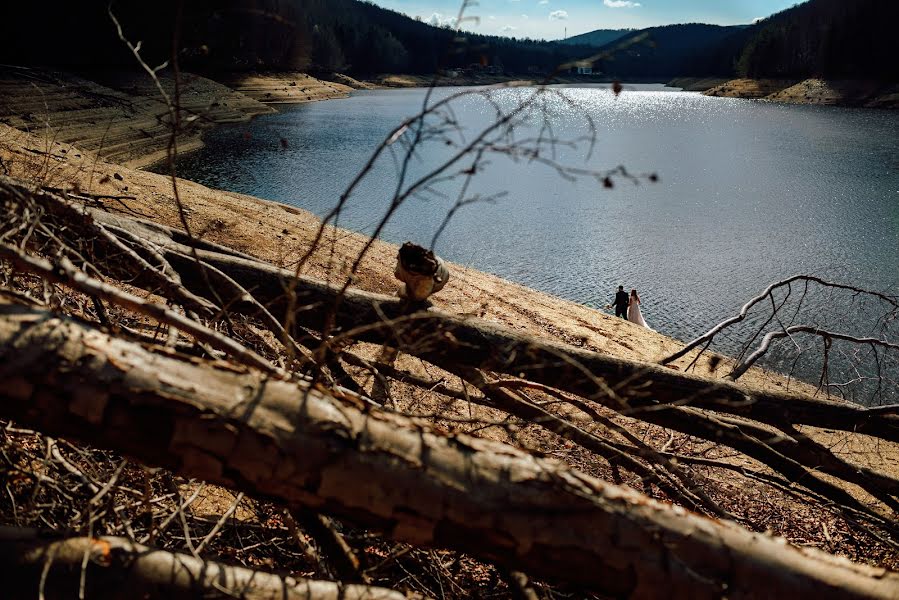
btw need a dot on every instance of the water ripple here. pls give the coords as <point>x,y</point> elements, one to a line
<point>749,192</point>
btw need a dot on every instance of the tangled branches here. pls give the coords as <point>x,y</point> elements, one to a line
<point>856,358</point>
<point>656,429</point>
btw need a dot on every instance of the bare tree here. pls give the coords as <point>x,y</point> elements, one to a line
<point>307,448</point>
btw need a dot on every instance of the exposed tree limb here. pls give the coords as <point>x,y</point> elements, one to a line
<point>520,586</point>
<point>750,360</point>
<point>276,440</point>
<point>767,293</point>
<point>514,404</point>
<point>112,249</point>
<point>34,566</point>
<point>477,344</point>
<point>65,273</point>
<point>338,554</point>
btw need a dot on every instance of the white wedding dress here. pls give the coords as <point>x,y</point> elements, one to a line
<point>635,316</point>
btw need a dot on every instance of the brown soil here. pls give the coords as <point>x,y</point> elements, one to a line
<point>412,81</point>
<point>285,88</point>
<point>842,93</point>
<point>754,89</point>
<point>124,118</point>
<point>350,82</point>
<point>696,84</point>
<point>870,94</point>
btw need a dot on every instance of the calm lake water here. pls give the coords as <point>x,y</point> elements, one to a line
<point>748,193</point>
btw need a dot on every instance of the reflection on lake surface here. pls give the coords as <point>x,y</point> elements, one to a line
<point>749,192</point>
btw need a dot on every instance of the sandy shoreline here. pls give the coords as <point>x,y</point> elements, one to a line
<point>96,134</point>
<point>123,118</point>
<point>864,94</point>
<point>278,233</point>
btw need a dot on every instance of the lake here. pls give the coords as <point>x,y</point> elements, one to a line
<point>748,193</point>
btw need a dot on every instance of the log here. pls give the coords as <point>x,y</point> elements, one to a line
<point>450,342</point>
<point>454,340</point>
<point>37,566</point>
<point>294,444</point>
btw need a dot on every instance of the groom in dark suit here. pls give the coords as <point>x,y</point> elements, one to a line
<point>621,300</point>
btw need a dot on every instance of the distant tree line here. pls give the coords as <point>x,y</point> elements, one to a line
<point>325,35</point>
<point>828,38</point>
<point>364,38</point>
<point>692,49</point>
<point>852,39</point>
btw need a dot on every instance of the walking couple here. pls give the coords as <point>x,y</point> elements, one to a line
<point>628,307</point>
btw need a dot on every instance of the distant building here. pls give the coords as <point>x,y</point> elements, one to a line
<point>478,68</point>
<point>584,70</point>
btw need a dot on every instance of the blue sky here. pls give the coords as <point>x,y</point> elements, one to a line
<point>549,18</point>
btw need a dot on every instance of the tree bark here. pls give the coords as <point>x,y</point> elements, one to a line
<point>454,340</point>
<point>298,446</point>
<point>34,566</point>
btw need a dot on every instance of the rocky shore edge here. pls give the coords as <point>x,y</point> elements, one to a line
<point>855,93</point>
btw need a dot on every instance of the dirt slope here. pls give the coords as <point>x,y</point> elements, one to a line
<point>280,233</point>
<point>124,119</point>
<point>870,94</point>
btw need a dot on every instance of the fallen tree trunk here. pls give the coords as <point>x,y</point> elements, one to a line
<point>35,566</point>
<point>446,339</point>
<point>648,392</point>
<point>450,339</point>
<point>296,445</point>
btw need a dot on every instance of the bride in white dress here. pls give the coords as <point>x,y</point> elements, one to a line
<point>633,310</point>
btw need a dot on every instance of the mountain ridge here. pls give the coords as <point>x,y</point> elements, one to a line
<point>596,38</point>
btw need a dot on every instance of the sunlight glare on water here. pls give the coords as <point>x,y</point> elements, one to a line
<point>749,192</point>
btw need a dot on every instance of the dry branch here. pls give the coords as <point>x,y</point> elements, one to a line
<point>447,340</point>
<point>66,274</point>
<point>34,566</point>
<point>296,445</point>
<point>453,340</point>
<point>653,394</point>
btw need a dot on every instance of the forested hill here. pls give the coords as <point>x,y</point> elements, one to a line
<point>820,38</point>
<point>329,35</point>
<point>837,39</point>
<point>597,38</point>
<point>674,50</point>
<point>362,37</point>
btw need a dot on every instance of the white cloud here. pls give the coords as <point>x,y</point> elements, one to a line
<point>543,2</point>
<point>439,20</point>
<point>621,3</point>
<point>559,15</point>
<point>525,17</point>
<point>508,29</point>
<point>758,20</point>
